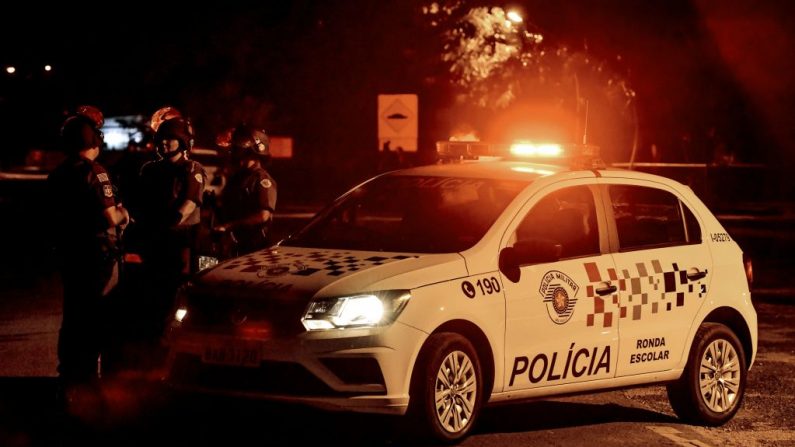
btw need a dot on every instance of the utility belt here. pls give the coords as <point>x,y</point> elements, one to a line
<point>110,243</point>
<point>85,246</point>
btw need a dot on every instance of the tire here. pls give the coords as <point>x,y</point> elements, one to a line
<point>712,385</point>
<point>446,356</point>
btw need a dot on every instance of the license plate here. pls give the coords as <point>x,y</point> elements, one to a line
<point>233,354</point>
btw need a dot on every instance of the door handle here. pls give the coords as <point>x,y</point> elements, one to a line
<point>695,274</point>
<point>606,288</point>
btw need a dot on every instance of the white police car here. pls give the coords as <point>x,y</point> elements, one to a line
<point>435,290</point>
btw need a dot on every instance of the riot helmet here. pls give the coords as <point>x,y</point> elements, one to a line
<point>179,129</point>
<point>163,114</point>
<point>92,113</point>
<point>249,142</point>
<point>81,130</point>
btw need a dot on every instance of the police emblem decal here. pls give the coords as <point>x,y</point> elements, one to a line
<point>281,269</point>
<point>277,270</point>
<point>107,190</point>
<point>559,292</point>
<point>560,300</point>
<point>265,183</point>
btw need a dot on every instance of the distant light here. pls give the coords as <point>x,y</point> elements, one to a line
<point>206,262</point>
<point>116,137</point>
<point>179,315</point>
<point>11,69</point>
<point>514,17</point>
<point>48,67</point>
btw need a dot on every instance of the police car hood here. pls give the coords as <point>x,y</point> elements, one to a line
<point>298,274</point>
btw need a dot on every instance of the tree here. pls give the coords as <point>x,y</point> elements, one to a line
<point>506,73</point>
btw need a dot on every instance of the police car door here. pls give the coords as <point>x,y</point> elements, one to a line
<point>663,273</point>
<point>561,307</point>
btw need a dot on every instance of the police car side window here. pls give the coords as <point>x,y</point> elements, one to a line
<point>566,217</point>
<point>646,217</point>
<point>693,228</point>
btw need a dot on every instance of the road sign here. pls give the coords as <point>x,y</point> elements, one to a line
<point>397,122</point>
<point>281,146</point>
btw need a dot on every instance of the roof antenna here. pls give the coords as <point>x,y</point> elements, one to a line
<point>589,156</point>
<point>585,127</point>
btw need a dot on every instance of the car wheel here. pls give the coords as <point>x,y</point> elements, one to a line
<point>447,388</point>
<point>712,386</point>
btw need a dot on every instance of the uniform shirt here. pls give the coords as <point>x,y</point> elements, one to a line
<point>166,186</point>
<point>248,191</point>
<point>80,190</point>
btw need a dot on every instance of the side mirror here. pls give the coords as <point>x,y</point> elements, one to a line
<point>526,252</point>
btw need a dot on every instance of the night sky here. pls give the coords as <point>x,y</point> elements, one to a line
<point>312,69</point>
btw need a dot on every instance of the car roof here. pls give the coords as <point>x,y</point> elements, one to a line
<point>503,170</point>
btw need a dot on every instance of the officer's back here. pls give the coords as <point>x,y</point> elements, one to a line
<point>74,186</point>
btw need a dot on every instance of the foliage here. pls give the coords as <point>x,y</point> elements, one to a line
<point>497,60</point>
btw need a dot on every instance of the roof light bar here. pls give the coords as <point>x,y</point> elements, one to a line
<point>575,156</point>
<point>536,150</point>
<point>466,150</point>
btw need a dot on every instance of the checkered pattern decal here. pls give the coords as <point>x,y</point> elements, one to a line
<point>650,289</point>
<point>329,263</point>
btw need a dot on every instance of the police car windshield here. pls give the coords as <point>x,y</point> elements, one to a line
<point>418,214</point>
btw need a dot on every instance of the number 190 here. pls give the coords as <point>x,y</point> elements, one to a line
<point>488,286</point>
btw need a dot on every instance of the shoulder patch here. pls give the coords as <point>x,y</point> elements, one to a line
<point>199,178</point>
<point>102,177</point>
<point>195,166</point>
<point>107,190</point>
<point>266,183</point>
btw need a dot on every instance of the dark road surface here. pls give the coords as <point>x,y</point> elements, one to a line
<point>132,411</point>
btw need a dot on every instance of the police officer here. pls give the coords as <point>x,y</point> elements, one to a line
<point>248,200</point>
<point>172,189</point>
<point>88,222</point>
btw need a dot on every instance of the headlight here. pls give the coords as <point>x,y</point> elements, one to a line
<point>365,310</point>
<point>181,304</point>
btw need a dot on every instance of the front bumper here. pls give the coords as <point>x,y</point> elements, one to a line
<point>363,370</point>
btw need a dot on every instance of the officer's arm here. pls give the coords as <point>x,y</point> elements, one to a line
<point>259,217</point>
<point>185,210</point>
<point>266,192</point>
<point>194,185</point>
<point>117,216</point>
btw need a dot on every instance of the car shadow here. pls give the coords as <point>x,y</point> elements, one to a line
<point>132,412</point>
<point>547,415</point>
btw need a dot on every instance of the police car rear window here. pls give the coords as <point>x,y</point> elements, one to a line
<point>418,214</point>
